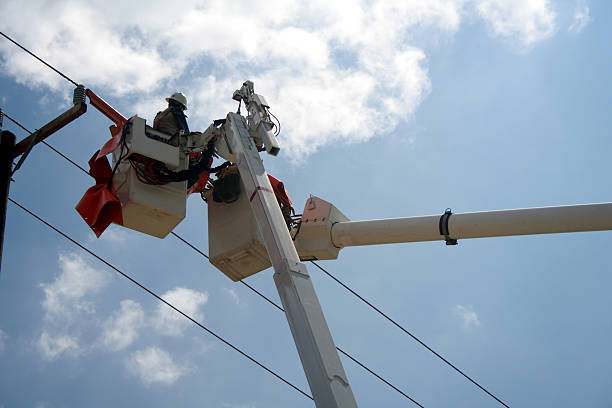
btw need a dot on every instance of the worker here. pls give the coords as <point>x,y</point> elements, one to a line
<point>172,120</point>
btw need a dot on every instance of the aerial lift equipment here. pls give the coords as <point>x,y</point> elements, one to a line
<point>156,207</point>
<point>249,234</point>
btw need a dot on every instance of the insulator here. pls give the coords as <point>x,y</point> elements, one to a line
<point>1,117</point>
<point>79,95</point>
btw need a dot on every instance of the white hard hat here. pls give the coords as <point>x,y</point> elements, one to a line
<point>179,97</point>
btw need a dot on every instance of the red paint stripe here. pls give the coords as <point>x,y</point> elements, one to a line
<point>260,188</point>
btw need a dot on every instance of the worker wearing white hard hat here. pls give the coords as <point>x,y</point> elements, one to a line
<point>172,120</point>
<point>179,97</point>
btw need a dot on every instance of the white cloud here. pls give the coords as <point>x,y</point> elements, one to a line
<point>154,365</point>
<point>334,72</point>
<point>467,315</point>
<point>67,293</point>
<point>167,321</point>
<point>3,339</point>
<point>528,21</point>
<point>121,329</point>
<point>582,17</point>
<point>232,294</point>
<point>81,46</point>
<point>52,347</point>
<point>67,297</point>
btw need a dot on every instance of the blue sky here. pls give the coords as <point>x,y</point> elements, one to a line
<point>389,109</point>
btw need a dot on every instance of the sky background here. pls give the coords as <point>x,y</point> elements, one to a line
<point>388,109</point>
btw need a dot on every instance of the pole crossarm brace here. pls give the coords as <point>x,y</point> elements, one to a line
<point>50,128</point>
<point>525,221</point>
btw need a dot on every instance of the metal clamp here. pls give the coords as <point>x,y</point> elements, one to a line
<point>444,227</point>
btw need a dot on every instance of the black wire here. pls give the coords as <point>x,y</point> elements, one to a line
<point>241,281</point>
<point>377,376</point>
<point>47,144</point>
<point>32,54</point>
<point>173,233</point>
<point>150,292</point>
<point>408,333</point>
<point>283,310</point>
<point>378,310</point>
<point>15,122</point>
<point>279,125</point>
<point>61,154</point>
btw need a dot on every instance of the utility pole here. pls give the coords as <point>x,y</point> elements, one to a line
<point>324,372</point>
<point>10,149</point>
<point>6,165</point>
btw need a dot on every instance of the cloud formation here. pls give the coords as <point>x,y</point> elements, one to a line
<point>232,294</point>
<point>121,329</point>
<point>154,366</point>
<point>68,293</point>
<point>528,21</point>
<point>334,72</point>
<point>67,297</point>
<point>168,322</point>
<point>582,17</point>
<point>466,315</point>
<point>54,346</point>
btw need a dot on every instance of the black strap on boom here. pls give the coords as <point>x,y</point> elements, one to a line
<point>443,225</point>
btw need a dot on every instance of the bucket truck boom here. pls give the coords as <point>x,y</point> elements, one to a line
<point>324,230</point>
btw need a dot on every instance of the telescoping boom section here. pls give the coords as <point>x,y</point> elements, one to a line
<point>324,230</point>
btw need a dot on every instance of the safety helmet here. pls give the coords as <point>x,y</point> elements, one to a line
<point>179,97</point>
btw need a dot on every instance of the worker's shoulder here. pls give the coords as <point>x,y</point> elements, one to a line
<point>162,112</point>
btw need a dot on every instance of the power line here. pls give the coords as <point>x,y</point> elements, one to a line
<point>47,144</point>
<point>283,310</point>
<point>207,257</point>
<point>32,54</point>
<point>408,333</point>
<point>377,376</point>
<point>342,284</point>
<point>150,292</point>
<point>241,281</point>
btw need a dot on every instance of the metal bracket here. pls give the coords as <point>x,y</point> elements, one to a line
<point>444,227</point>
<point>25,154</point>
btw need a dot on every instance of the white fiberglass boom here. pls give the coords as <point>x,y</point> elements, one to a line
<point>524,221</point>
<point>324,230</point>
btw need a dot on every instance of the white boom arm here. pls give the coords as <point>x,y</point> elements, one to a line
<point>324,230</point>
<point>526,221</point>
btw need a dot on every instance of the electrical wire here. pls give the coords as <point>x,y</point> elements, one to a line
<point>207,257</point>
<point>47,144</point>
<point>377,376</point>
<point>32,54</point>
<point>283,310</point>
<point>334,278</point>
<point>156,296</point>
<point>408,333</point>
<point>241,281</point>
